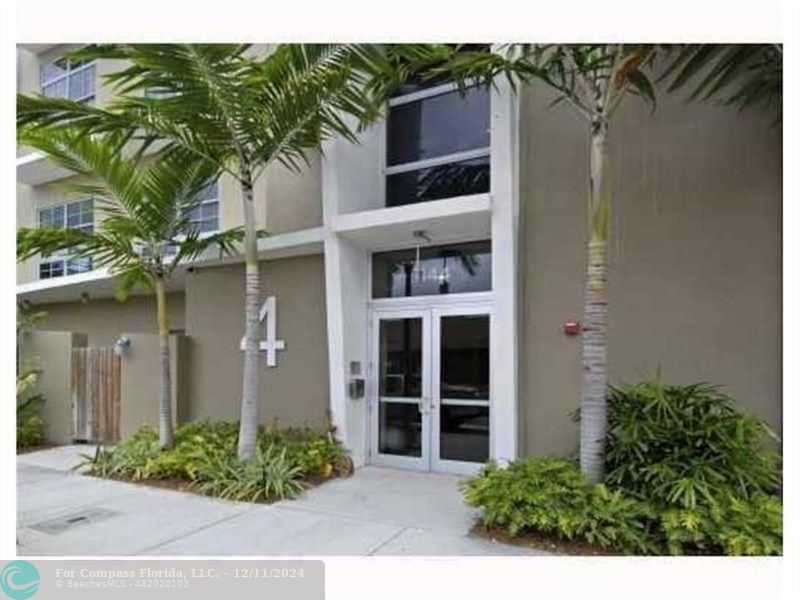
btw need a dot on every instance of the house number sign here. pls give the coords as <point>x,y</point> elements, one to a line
<point>269,316</point>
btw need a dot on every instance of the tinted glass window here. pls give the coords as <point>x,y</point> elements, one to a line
<point>435,183</point>
<point>439,125</point>
<point>451,269</point>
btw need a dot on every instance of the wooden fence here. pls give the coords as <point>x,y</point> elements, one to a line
<point>95,389</point>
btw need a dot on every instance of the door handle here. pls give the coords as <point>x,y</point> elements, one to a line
<point>425,406</point>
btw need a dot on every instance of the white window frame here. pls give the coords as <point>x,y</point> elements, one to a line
<point>436,161</point>
<point>214,200</point>
<point>69,72</point>
<point>63,258</point>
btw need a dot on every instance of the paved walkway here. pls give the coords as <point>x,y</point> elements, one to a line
<point>375,512</point>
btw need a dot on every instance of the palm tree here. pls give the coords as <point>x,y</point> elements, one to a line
<point>240,113</point>
<point>743,75</point>
<point>146,231</point>
<point>593,80</point>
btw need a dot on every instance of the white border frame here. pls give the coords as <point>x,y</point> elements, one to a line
<point>422,463</point>
<point>430,309</point>
<point>69,73</point>
<point>439,464</point>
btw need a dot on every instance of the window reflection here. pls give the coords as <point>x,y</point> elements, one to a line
<point>451,269</point>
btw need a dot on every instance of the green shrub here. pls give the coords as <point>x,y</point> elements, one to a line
<point>204,454</point>
<point>268,475</point>
<point>136,458</point>
<point>685,446</point>
<point>30,425</point>
<point>686,474</point>
<point>734,526</point>
<point>549,495</point>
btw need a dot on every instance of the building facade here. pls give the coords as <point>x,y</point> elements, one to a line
<point>415,285</point>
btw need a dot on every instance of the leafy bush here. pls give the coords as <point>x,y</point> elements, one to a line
<point>30,425</point>
<point>686,474</point>
<point>733,525</point>
<point>549,495</point>
<point>685,446</point>
<point>269,475</point>
<point>205,455</point>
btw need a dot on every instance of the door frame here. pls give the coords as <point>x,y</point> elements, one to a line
<point>422,463</point>
<point>430,309</point>
<point>439,464</point>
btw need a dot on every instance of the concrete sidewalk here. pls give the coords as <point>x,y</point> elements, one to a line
<point>375,512</point>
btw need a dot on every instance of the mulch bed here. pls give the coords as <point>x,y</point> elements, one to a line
<point>541,541</point>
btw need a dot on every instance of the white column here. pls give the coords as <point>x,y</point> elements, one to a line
<point>504,419</point>
<point>351,180</point>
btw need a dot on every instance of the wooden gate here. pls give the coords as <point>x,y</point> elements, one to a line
<point>95,394</point>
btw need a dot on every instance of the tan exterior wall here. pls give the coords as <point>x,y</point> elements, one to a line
<point>695,257</point>
<point>52,352</point>
<point>141,382</point>
<point>296,391</point>
<point>285,201</point>
<point>104,320</point>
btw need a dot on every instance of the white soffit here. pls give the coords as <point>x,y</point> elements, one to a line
<point>450,220</point>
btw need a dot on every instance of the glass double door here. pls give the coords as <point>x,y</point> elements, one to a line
<point>430,402</point>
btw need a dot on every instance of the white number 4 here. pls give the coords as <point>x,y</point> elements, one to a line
<point>271,345</point>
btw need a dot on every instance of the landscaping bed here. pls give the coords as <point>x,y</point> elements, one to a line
<point>204,460</point>
<point>686,473</point>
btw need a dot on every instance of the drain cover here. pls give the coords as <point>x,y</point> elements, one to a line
<point>76,519</point>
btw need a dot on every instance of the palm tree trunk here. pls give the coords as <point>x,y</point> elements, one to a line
<point>595,311</point>
<point>165,436</point>
<point>248,425</point>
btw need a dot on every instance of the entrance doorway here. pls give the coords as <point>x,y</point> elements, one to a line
<point>430,403</point>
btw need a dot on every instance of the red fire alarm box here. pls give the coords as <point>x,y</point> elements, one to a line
<point>572,328</point>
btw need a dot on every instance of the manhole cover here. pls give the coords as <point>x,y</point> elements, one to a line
<point>76,519</point>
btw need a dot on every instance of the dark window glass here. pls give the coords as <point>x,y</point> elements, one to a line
<point>400,429</point>
<point>401,358</point>
<point>451,269</point>
<point>464,433</point>
<point>464,359</point>
<point>435,183</point>
<point>439,125</point>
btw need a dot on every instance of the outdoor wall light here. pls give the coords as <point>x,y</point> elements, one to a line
<point>122,345</point>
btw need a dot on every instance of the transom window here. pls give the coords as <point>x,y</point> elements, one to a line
<point>205,215</point>
<point>72,215</point>
<point>438,141</point>
<point>64,78</point>
<point>450,269</point>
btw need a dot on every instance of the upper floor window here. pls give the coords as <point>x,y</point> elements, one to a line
<point>205,215</point>
<point>73,215</point>
<point>438,141</point>
<point>64,78</point>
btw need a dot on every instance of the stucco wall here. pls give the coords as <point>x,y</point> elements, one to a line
<point>51,351</point>
<point>296,391</point>
<point>695,256</point>
<point>104,320</point>
<point>141,382</point>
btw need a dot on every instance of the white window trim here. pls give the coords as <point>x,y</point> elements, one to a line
<point>438,90</point>
<point>62,257</point>
<point>65,76</point>
<point>436,161</point>
<point>214,200</point>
